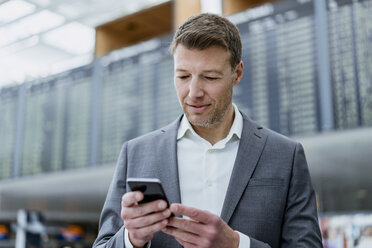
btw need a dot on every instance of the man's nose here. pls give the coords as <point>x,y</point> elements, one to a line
<point>196,88</point>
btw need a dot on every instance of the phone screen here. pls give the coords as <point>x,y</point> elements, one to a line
<point>150,187</point>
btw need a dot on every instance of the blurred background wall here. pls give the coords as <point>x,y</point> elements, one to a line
<point>69,99</point>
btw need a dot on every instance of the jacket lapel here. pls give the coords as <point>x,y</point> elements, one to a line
<point>250,149</point>
<point>168,162</point>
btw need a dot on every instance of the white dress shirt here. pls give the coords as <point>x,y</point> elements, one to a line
<point>205,169</point>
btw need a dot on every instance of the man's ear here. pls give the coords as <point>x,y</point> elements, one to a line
<point>238,73</point>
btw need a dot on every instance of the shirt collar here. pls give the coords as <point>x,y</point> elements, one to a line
<point>236,128</point>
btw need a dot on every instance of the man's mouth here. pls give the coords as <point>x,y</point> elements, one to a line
<point>198,108</point>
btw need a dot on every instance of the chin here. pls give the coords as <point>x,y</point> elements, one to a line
<point>199,122</point>
<point>196,120</point>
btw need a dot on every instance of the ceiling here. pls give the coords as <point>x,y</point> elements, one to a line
<point>42,37</point>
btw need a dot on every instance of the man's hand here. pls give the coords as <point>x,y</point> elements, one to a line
<point>203,229</point>
<point>143,220</point>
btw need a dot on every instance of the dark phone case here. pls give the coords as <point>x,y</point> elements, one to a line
<point>151,190</point>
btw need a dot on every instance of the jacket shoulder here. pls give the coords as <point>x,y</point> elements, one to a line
<point>273,137</point>
<point>279,138</point>
<point>153,137</point>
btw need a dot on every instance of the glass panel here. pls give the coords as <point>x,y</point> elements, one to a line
<point>8,111</point>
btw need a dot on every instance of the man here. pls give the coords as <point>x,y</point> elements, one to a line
<point>235,183</point>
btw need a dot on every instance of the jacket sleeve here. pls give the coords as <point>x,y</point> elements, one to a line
<point>111,226</point>
<point>300,222</point>
<point>258,244</point>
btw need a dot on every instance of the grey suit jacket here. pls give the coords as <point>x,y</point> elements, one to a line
<point>269,198</point>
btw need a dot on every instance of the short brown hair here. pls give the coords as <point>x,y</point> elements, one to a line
<point>206,30</point>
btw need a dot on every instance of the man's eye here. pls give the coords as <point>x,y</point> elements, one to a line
<point>182,77</point>
<point>211,78</point>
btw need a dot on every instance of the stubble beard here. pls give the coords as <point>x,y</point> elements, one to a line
<point>216,116</point>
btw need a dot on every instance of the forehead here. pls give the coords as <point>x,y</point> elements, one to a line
<point>211,58</point>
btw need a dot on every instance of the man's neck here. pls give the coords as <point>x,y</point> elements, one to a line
<point>217,132</point>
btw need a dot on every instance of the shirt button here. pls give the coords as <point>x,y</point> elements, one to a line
<point>210,151</point>
<point>209,183</point>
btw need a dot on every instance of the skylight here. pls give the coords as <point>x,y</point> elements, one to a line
<point>41,37</point>
<point>14,9</point>
<point>74,38</point>
<point>41,21</point>
<point>29,26</point>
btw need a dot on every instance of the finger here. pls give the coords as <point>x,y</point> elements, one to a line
<point>180,241</point>
<point>183,236</point>
<point>193,213</point>
<point>187,225</point>
<point>185,244</point>
<point>143,209</point>
<point>188,245</point>
<point>147,220</point>
<point>131,198</point>
<point>148,231</point>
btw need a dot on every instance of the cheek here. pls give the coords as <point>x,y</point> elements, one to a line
<point>181,90</point>
<point>220,92</point>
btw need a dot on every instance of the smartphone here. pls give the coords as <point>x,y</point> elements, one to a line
<point>150,187</point>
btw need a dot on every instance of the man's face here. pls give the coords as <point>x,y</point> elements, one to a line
<point>204,82</point>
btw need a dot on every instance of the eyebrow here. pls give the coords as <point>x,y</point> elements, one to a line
<point>207,71</point>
